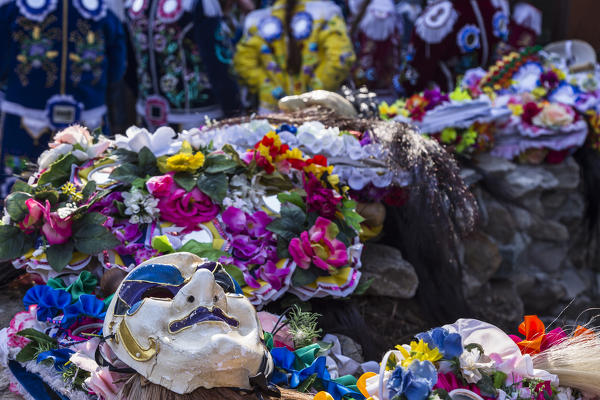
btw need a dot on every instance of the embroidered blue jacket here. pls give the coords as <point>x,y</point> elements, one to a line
<point>183,52</point>
<point>57,59</point>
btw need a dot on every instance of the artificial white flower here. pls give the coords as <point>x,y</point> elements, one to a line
<point>473,363</point>
<point>51,155</point>
<point>67,210</point>
<point>141,207</point>
<point>245,194</point>
<point>160,143</point>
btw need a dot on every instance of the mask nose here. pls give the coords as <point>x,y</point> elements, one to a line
<point>201,290</point>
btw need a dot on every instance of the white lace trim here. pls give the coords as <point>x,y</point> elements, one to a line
<point>437,22</point>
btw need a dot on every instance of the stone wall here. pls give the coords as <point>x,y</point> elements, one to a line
<point>531,254</point>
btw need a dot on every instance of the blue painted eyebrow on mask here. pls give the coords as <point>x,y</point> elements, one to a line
<point>157,273</point>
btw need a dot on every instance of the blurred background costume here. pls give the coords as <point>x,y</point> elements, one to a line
<point>376,30</point>
<point>183,52</point>
<point>451,37</point>
<point>293,47</point>
<point>57,59</point>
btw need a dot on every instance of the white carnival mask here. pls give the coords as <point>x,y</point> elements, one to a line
<point>178,321</point>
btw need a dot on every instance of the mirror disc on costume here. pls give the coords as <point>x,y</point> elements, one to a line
<point>169,10</point>
<point>36,10</point>
<point>436,22</point>
<point>468,38</point>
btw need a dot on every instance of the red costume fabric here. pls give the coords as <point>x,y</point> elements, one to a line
<point>451,37</point>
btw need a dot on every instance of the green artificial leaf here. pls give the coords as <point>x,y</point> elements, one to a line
<point>283,248</point>
<point>291,223</point>
<point>139,183</point>
<point>276,182</point>
<point>13,242</point>
<point>214,186</point>
<point>351,217</point>
<point>442,394</point>
<point>59,171</point>
<point>15,205</point>
<point>231,152</point>
<point>125,173</point>
<point>302,277</point>
<point>88,220</point>
<point>486,385</point>
<point>38,337</point>
<point>92,239</point>
<point>59,255</point>
<point>218,163</point>
<point>147,162</point>
<point>292,197</point>
<point>20,186</point>
<point>472,346</point>
<point>235,273</point>
<point>28,353</point>
<point>499,379</point>
<point>363,286</point>
<point>162,244</point>
<point>204,250</point>
<point>346,234</point>
<point>47,193</point>
<point>185,180</point>
<point>121,207</point>
<point>307,384</point>
<point>88,190</point>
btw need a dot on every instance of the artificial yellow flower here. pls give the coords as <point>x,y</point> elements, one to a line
<point>388,111</point>
<point>539,92</point>
<point>419,351</point>
<point>318,170</point>
<point>459,94</point>
<point>448,135</point>
<point>183,162</point>
<point>517,109</point>
<point>333,180</point>
<point>294,154</point>
<point>70,190</point>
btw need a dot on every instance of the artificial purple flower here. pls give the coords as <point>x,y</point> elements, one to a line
<point>106,206</point>
<point>253,247</point>
<point>434,98</point>
<point>549,79</point>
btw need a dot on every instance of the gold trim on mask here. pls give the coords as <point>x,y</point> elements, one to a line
<point>133,348</point>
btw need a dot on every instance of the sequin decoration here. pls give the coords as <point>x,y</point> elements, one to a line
<point>270,28</point>
<point>302,24</point>
<point>468,39</point>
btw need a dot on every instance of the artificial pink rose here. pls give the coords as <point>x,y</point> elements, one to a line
<point>56,229</point>
<point>73,135</point>
<point>36,211</point>
<point>554,115</point>
<point>160,186</point>
<point>21,320</point>
<point>187,209</point>
<point>319,247</point>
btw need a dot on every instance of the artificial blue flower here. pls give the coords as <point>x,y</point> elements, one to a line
<point>49,301</point>
<point>87,305</point>
<point>288,128</point>
<point>449,344</point>
<point>58,356</point>
<point>415,382</point>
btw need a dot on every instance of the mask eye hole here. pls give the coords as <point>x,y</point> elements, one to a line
<point>158,292</point>
<point>215,299</point>
<point>191,299</point>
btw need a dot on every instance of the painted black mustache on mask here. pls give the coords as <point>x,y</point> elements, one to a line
<point>203,314</point>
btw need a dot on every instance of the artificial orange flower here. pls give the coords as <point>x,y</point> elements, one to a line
<point>535,332</point>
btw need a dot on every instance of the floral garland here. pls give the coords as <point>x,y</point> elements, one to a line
<point>274,211</point>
